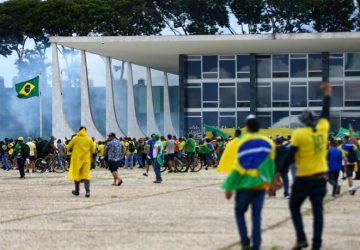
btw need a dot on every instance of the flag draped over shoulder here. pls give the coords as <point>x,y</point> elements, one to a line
<point>253,165</point>
<point>28,88</point>
<point>215,132</point>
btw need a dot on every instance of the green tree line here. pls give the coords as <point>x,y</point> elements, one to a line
<point>37,20</point>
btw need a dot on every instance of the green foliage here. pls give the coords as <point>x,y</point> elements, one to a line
<point>194,16</point>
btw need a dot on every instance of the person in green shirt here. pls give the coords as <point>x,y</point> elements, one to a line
<point>190,145</point>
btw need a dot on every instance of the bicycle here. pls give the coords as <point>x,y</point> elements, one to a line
<point>56,162</point>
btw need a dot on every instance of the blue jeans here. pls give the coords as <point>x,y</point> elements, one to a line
<point>129,160</point>
<point>156,167</point>
<point>242,201</point>
<point>315,189</point>
<point>138,159</point>
<point>5,160</point>
<point>285,179</point>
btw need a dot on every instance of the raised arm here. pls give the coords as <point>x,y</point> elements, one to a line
<point>325,113</point>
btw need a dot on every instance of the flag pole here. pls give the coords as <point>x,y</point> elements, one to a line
<point>40,108</point>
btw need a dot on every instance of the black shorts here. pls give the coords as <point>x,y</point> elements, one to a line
<point>170,157</point>
<point>32,158</point>
<point>349,170</point>
<point>113,166</point>
<point>149,161</point>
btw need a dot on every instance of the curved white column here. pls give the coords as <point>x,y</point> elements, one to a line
<point>112,124</point>
<point>151,126</point>
<point>133,125</point>
<point>60,126</point>
<point>168,125</point>
<point>86,116</point>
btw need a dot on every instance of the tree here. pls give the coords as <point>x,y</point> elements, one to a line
<point>194,16</point>
<point>249,13</point>
<point>332,15</point>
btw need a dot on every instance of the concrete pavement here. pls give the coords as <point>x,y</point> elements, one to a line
<point>186,211</point>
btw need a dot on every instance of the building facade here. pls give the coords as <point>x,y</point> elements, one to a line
<point>222,90</point>
<point>177,84</point>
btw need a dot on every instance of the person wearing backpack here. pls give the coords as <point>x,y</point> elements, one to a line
<point>350,158</point>
<point>129,157</point>
<point>22,151</point>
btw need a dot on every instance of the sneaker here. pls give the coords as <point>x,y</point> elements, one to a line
<point>43,162</point>
<point>287,196</point>
<point>300,245</point>
<point>157,182</point>
<point>352,192</point>
<point>145,174</point>
<point>87,195</point>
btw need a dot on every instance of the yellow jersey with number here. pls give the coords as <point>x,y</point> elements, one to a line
<point>310,158</point>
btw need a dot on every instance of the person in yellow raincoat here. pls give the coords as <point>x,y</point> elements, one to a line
<point>82,149</point>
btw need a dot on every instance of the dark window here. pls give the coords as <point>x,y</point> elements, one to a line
<point>192,97</point>
<point>210,91</point>
<point>352,73</point>
<point>298,97</point>
<point>280,74</point>
<point>227,69</point>
<point>243,104</point>
<point>243,91</point>
<point>227,122</point>
<point>352,90</point>
<point>336,67</point>
<point>243,75</point>
<point>241,116</point>
<point>352,61</point>
<point>265,122</point>
<point>315,103</point>
<point>352,103</point>
<point>298,68</point>
<point>264,97</point>
<point>337,96</point>
<point>280,104</point>
<point>278,115</point>
<point>193,126</point>
<point>280,63</point>
<point>243,63</point>
<point>227,97</point>
<point>263,68</point>
<point>193,70</point>
<point>210,63</point>
<point>227,113</point>
<point>210,104</point>
<point>315,62</point>
<point>210,118</point>
<point>314,90</point>
<point>280,91</point>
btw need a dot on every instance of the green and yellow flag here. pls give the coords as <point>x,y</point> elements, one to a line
<point>28,88</point>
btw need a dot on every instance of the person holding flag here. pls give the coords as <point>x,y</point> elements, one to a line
<point>250,176</point>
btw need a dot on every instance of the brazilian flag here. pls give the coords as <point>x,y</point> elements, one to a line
<point>215,132</point>
<point>28,88</point>
<point>253,163</point>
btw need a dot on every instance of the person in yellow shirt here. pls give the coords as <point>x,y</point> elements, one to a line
<point>101,148</point>
<point>308,150</point>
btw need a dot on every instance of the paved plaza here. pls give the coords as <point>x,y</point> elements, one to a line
<point>186,211</point>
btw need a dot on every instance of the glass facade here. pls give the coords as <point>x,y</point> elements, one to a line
<point>97,82</point>
<point>120,90</point>
<point>285,85</point>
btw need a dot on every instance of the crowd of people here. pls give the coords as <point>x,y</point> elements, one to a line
<point>255,163</point>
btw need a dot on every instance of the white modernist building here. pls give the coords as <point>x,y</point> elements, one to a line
<point>222,78</point>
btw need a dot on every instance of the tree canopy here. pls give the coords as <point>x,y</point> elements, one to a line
<point>37,20</point>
